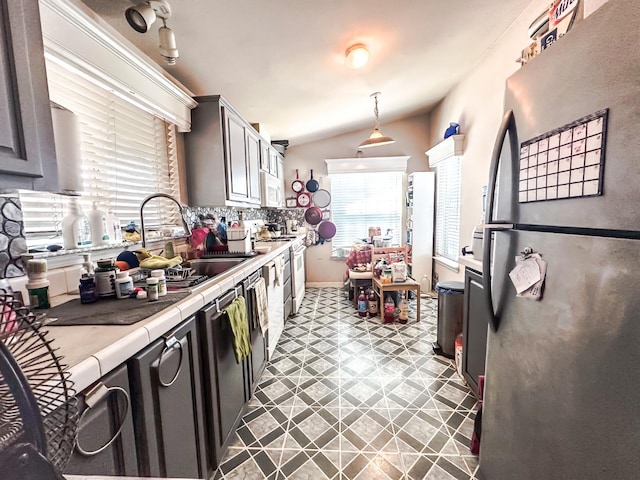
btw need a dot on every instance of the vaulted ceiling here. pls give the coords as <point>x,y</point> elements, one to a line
<point>281,62</point>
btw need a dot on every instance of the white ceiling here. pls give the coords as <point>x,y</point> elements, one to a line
<point>281,62</point>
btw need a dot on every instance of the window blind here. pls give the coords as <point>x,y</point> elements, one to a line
<point>448,182</point>
<point>127,154</point>
<point>363,200</point>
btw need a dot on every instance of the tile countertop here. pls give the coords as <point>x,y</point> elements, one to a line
<point>92,351</point>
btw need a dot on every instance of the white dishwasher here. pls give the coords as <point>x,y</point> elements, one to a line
<point>273,273</point>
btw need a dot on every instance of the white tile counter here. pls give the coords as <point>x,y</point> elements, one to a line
<point>91,351</point>
<point>469,261</point>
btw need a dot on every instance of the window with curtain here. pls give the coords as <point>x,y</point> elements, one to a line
<point>363,200</point>
<point>448,182</point>
<point>127,153</point>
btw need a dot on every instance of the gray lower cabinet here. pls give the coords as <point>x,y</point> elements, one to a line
<point>288,294</point>
<point>258,358</point>
<point>106,441</point>
<point>475,321</point>
<point>224,379</point>
<point>27,148</point>
<point>167,405</point>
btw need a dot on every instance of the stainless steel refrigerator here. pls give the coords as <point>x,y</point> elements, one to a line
<point>562,392</point>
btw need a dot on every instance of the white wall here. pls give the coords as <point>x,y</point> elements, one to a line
<point>412,139</point>
<point>476,104</point>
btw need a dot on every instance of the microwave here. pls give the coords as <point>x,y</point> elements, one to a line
<point>271,190</point>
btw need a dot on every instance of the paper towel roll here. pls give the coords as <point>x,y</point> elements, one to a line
<point>66,133</point>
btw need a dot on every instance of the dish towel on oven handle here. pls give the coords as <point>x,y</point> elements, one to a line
<point>261,306</point>
<point>279,269</point>
<point>237,313</point>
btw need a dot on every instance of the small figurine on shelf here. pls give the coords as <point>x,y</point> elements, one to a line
<point>451,130</point>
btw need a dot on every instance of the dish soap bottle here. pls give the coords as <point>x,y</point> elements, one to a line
<point>76,229</point>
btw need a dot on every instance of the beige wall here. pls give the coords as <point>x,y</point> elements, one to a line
<point>476,104</point>
<point>412,139</point>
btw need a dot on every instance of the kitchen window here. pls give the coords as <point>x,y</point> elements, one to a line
<point>127,153</point>
<point>448,183</point>
<point>366,192</point>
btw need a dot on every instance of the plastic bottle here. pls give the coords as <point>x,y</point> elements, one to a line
<point>38,293</point>
<point>76,229</point>
<point>114,227</point>
<point>362,303</point>
<point>87,264</point>
<point>403,316</point>
<point>106,278</point>
<point>100,231</point>
<point>458,353</point>
<point>373,303</point>
<point>152,289</point>
<point>87,289</point>
<point>123,285</point>
<point>389,309</point>
<point>162,281</point>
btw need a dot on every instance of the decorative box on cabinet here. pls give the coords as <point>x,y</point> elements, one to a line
<point>27,148</point>
<point>475,322</point>
<point>223,155</point>
<point>106,441</point>
<point>167,406</point>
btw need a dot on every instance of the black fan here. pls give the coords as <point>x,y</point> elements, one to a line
<point>38,409</point>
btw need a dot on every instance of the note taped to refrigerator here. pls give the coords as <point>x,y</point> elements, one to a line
<point>528,276</point>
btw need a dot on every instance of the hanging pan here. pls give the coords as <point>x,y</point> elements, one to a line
<point>303,199</point>
<point>312,184</point>
<point>313,215</point>
<point>321,198</point>
<point>327,229</point>
<point>297,185</point>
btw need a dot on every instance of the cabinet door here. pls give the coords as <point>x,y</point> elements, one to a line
<point>106,442</point>
<point>265,148</point>
<point>273,161</point>
<point>235,156</point>
<point>27,151</point>
<point>474,329</point>
<point>167,406</point>
<point>253,166</point>
<point>280,176</point>
<point>258,358</point>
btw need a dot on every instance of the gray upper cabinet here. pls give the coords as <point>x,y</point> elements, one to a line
<point>27,149</point>
<point>223,156</point>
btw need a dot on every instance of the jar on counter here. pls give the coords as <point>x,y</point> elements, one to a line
<point>162,281</point>
<point>106,278</point>
<point>38,293</point>
<point>152,289</point>
<point>124,285</point>
<point>87,289</point>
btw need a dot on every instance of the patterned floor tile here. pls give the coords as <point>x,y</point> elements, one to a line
<point>346,397</point>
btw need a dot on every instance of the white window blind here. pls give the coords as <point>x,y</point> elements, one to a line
<point>127,154</point>
<point>363,200</point>
<point>448,181</point>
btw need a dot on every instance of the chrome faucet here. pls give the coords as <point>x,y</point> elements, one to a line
<point>165,195</point>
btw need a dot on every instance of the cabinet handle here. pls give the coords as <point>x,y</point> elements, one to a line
<point>169,344</point>
<point>100,392</point>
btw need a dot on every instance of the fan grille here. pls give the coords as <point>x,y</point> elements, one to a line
<point>22,332</point>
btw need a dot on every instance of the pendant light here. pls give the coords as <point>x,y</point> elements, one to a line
<point>376,138</point>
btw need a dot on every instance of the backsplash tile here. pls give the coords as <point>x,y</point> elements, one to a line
<point>12,240</point>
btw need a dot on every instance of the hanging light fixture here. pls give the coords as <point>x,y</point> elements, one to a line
<point>356,56</point>
<point>376,138</point>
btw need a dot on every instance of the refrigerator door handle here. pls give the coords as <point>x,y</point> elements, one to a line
<point>507,125</point>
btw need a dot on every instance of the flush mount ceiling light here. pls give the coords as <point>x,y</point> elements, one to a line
<point>376,138</point>
<point>356,56</point>
<point>143,15</point>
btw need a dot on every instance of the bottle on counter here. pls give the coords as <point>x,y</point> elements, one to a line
<point>114,226</point>
<point>362,303</point>
<point>37,284</point>
<point>123,285</point>
<point>162,281</point>
<point>372,303</point>
<point>106,278</point>
<point>100,231</point>
<point>403,315</point>
<point>76,229</point>
<point>87,289</point>
<point>152,289</point>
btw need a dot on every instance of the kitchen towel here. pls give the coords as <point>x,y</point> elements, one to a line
<point>237,313</point>
<point>279,263</point>
<point>261,305</point>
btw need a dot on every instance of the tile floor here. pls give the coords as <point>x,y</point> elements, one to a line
<point>350,398</point>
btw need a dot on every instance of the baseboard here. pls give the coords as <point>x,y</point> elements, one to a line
<point>324,284</point>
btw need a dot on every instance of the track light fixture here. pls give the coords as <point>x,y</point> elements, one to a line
<point>143,15</point>
<point>376,138</point>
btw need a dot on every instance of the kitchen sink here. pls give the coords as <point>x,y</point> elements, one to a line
<point>214,266</point>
